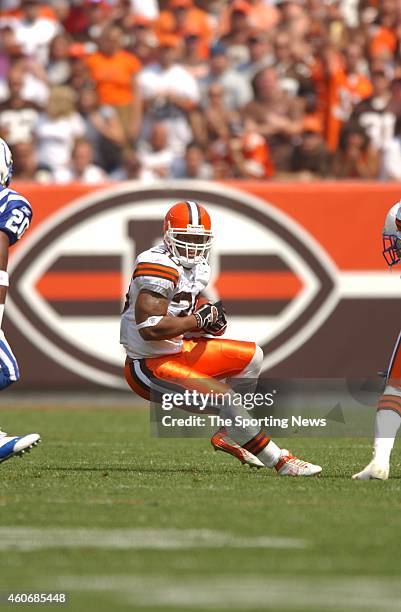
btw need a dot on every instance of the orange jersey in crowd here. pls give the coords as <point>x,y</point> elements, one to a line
<point>196,21</point>
<point>257,155</point>
<point>383,40</point>
<point>261,16</point>
<point>113,76</point>
<point>45,12</point>
<point>344,93</point>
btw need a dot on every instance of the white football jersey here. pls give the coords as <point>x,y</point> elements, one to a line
<point>157,270</point>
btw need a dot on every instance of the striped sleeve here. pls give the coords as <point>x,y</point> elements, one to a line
<point>157,271</point>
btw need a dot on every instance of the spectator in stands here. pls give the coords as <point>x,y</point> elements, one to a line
<point>87,20</point>
<point>33,31</point>
<point>114,71</point>
<point>170,95</point>
<point>237,90</point>
<point>383,32</point>
<point>275,115</point>
<point>311,158</point>
<point>103,128</point>
<point>192,165</point>
<point>298,25</point>
<point>378,113</point>
<point>261,14</point>
<point>356,157</point>
<point>18,117</point>
<point>249,154</point>
<point>131,169</point>
<point>391,161</point>
<point>294,75</point>
<point>143,40</point>
<point>25,164</point>
<point>10,50</point>
<point>58,128</point>
<point>34,78</point>
<point>193,56</point>
<point>79,71</point>
<point>348,85</point>
<point>181,16</point>
<point>81,167</point>
<point>156,156</point>
<point>217,119</point>
<point>235,41</point>
<point>58,68</point>
<point>259,68</point>
<point>260,53</point>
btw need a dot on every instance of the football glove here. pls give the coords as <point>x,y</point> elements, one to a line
<point>212,318</point>
<point>219,327</point>
<point>206,315</point>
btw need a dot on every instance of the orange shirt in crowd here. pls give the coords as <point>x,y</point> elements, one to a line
<point>196,20</point>
<point>257,155</point>
<point>261,16</point>
<point>383,40</point>
<point>45,12</point>
<point>345,91</point>
<point>113,76</point>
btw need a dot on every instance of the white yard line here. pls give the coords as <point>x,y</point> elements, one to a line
<point>27,538</point>
<point>241,592</point>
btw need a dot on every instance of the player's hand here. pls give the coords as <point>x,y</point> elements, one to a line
<point>206,315</point>
<point>212,318</point>
<point>219,327</point>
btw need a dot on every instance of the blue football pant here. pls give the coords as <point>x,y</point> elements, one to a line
<point>9,371</point>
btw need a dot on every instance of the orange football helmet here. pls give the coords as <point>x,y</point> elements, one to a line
<point>188,232</point>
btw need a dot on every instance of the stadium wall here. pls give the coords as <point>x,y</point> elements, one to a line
<point>299,267</point>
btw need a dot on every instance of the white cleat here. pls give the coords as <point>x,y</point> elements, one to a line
<point>373,471</point>
<point>12,446</point>
<point>288,465</point>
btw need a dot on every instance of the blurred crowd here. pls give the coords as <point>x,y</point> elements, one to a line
<point>100,90</point>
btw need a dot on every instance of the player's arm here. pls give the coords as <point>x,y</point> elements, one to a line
<point>153,322</point>
<point>4,245</point>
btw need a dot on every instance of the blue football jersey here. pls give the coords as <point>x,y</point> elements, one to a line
<point>15,214</point>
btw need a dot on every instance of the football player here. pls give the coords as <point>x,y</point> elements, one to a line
<point>162,312</point>
<point>388,415</point>
<point>15,217</point>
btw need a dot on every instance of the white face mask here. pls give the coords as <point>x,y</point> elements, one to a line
<point>189,245</point>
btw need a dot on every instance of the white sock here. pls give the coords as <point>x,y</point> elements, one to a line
<point>270,455</point>
<point>386,426</point>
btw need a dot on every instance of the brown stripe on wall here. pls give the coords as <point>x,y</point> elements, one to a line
<point>72,263</point>
<point>244,308</point>
<point>253,262</point>
<point>86,308</point>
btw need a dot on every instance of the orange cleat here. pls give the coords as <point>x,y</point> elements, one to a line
<point>221,442</point>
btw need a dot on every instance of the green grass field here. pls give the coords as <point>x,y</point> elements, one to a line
<point>120,521</point>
